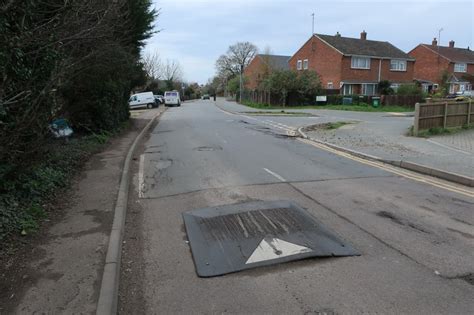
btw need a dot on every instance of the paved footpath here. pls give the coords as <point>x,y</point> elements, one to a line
<point>384,135</point>
<point>60,270</point>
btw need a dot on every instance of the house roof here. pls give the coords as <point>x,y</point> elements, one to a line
<point>455,54</point>
<point>363,47</point>
<point>275,61</point>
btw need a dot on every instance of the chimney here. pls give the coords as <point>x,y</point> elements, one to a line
<point>363,35</point>
<point>434,42</point>
<point>337,34</point>
<point>451,44</point>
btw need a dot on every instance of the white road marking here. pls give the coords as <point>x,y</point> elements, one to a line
<point>274,248</point>
<point>141,183</point>
<point>448,147</point>
<point>275,174</point>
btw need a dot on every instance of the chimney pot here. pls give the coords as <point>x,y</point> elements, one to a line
<point>451,44</point>
<point>363,35</point>
<point>338,35</point>
<point>434,42</point>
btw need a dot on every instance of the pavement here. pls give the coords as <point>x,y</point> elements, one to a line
<point>384,135</point>
<point>60,270</point>
<point>415,234</point>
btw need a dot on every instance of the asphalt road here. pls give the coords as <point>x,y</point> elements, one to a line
<point>416,239</point>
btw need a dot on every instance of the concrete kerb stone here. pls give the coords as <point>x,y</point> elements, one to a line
<point>422,169</point>
<point>108,295</point>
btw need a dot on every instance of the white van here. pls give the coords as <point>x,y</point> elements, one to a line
<point>172,98</point>
<point>145,99</point>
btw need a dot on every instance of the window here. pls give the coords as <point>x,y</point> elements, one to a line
<point>368,89</point>
<point>398,65</point>
<point>394,86</point>
<point>347,89</point>
<point>299,65</point>
<point>330,85</point>
<point>435,86</point>
<point>305,64</point>
<point>360,63</point>
<point>460,67</point>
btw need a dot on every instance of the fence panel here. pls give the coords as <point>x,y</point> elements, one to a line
<point>442,115</point>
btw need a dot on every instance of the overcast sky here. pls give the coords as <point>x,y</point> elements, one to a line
<point>197,32</point>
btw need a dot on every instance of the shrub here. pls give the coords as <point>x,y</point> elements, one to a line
<point>409,89</point>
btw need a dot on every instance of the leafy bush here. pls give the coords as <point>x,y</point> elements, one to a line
<point>385,87</point>
<point>409,89</point>
<point>73,59</point>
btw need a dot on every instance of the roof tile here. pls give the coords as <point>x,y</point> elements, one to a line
<point>363,47</point>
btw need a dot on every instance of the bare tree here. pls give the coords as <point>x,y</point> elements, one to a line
<point>238,56</point>
<point>172,72</point>
<point>242,53</point>
<point>153,66</point>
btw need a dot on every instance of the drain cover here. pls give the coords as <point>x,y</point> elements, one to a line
<point>235,237</point>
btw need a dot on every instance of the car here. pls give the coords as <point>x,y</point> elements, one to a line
<point>172,98</point>
<point>144,99</point>
<point>206,97</point>
<point>159,99</point>
<point>463,95</point>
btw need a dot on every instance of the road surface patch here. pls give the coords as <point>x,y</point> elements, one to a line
<point>236,237</point>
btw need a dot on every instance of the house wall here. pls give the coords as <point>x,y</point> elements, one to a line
<point>252,72</point>
<point>372,74</point>
<point>470,70</point>
<point>323,59</point>
<point>428,65</point>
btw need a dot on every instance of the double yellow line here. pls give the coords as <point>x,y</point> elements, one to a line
<point>469,192</point>
<point>392,169</point>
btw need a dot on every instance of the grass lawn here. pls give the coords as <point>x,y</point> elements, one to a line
<point>356,108</point>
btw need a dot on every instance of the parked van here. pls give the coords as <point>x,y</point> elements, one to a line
<point>172,98</point>
<point>145,99</point>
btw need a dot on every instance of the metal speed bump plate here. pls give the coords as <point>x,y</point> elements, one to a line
<point>235,237</point>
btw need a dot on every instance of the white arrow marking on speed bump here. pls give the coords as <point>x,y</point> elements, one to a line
<point>275,248</point>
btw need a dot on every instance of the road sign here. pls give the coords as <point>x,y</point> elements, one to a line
<point>235,237</point>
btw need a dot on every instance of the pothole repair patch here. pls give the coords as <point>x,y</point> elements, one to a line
<point>236,237</point>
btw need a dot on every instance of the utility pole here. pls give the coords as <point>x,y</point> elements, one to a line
<point>240,89</point>
<point>313,23</point>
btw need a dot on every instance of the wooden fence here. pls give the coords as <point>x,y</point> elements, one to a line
<point>443,115</point>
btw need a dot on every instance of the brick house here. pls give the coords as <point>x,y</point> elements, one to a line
<point>353,65</point>
<point>432,60</point>
<point>261,65</point>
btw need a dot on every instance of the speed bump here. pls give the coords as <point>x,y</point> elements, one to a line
<point>236,237</point>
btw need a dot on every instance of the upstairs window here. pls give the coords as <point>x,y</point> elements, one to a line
<point>460,67</point>
<point>360,63</point>
<point>330,85</point>
<point>299,65</point>
<point>398,65</point>
<point>305,64</point>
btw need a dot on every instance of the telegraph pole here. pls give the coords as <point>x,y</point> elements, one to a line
<point>240,89</point>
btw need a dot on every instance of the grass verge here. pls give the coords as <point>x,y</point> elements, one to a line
<point>437,131</point>
<point>26,194</point>
<point>280,113</point>
<point>356,108</point>
<point>335,125</point>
